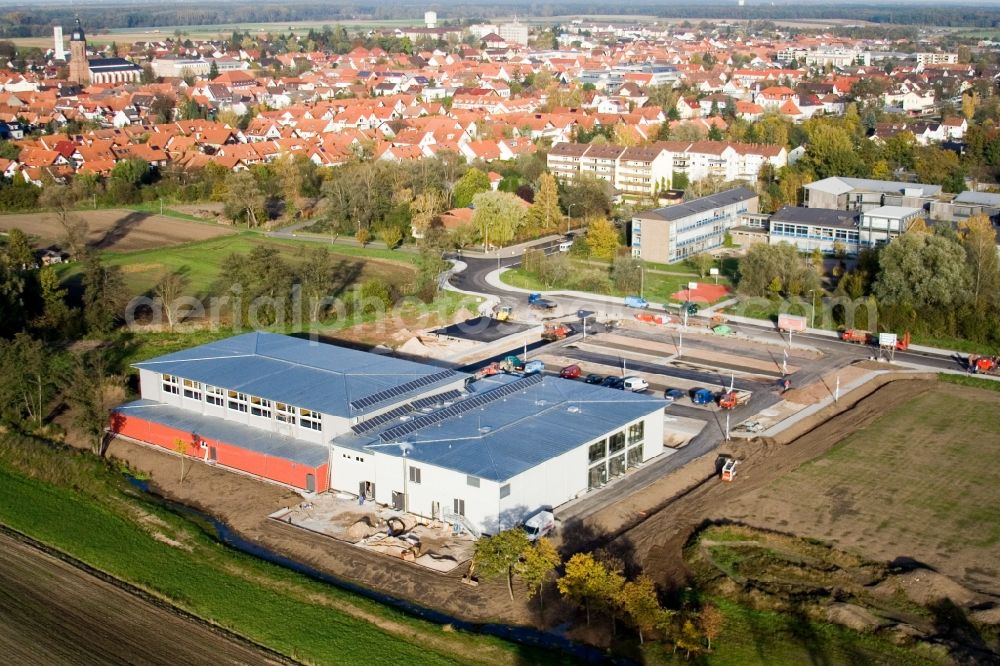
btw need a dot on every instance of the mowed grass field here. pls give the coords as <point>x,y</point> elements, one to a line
<point>920,483</point>
<point>201,262</point>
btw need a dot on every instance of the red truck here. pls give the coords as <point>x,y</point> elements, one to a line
<point>856,335</point>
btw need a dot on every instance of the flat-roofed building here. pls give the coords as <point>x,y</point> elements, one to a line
<point>861,194</point>
<point>810,229</point>
<point>880,225</point>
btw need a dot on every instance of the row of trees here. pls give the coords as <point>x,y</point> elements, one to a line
<point>595,583</point>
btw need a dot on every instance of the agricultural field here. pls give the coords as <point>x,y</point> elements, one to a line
<point>916,485</point>
<point>116,229</point>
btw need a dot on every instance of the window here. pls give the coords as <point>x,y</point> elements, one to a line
<point>238,401</point>
<point>598,450</point>
<point>636,432</point>
<point>472,481</point>
<point>634,456</point>
<point>459,505</point>
<point>504,490</point>
<point>171,385</point>
<point>284,413</point>
<point>192,389</point>
<point>310,419</point>
<point>616,465</point>
<point>260,407</point>
<point>617,442</point>
<point>414,474</point>
<point>213,394</point>
<point>597,476</point>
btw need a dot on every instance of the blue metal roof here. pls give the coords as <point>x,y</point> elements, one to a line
<point>246,437</point>
<point>509,435</point>
<point>321,377</point>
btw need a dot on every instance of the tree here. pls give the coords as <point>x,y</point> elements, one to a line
<point>244,200</point>
<point>979,240</point>
<point>56,315</point>
<point>688,638</point>
<point>710,621</point>
<point>602,239</point>
<point>180,448</point>
<point>425,207</point>
<point>537,563</point>
<point>391,235</point>
<point>922,273</point>
<point>586,196</point>
<point>132,171</point>
<point>27,379</point>
<point>169,289</point>
<point>213,70</point>
<point>497,216</point>
<point>626,273</point>
<point>938,166</point>
<point>703,262</point>
<point>363,236</point>
<point>104,295</point>
<point>589,582</point>
<point>969,106</point>
<point>772,270</point>
<point>679,180</point>
<point>497,555</point>
<point>830,151</point>
<point>18,250</point>
<point>92,396</point>
<point>469,185</point>
<point>544,214</point>
<point>640,604</point>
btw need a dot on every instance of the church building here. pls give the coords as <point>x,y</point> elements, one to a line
<point>97,70</point>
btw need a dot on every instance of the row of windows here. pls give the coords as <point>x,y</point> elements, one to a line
<point>241,402</point>
<point>806,231</point>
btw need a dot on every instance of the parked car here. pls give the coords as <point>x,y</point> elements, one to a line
<point>609,381</point>
<point>533,367</point>
<point>673,393</point>
<point>635,384</point>
<point>570,372</point>
<point>593,379</point>
<point>702,396</point>
<point>619,383</point>
<point>636,302</point>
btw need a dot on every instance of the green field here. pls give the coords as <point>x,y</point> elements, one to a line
<point>131,539</point>
<point>202,261</point>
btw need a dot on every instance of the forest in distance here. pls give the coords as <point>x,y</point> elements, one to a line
<point>19,19</point>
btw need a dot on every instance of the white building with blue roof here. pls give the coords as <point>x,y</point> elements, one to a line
<point>418,437</point>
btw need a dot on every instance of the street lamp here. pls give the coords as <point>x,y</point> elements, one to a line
<point>812,302</point>
<point>569,214</point>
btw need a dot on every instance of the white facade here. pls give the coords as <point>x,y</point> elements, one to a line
<point>430,20</point>
<point>59,46</point>
<point>514,33</point>
<point>433,491</point>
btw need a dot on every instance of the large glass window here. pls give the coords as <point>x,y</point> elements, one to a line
<point>192,389</point>
<point>472,481</point>
<point>634,456</point>
<point>171,385</point>
<point>598,450</point>
<point>636,432</point>
<point>214,395</point>
<point>238,401</point>
<point>414,474</point>
<point>616,465</point>
<point>617,441</point>
<point>597,476</point>
<point>284,413</point>
<point>504,490</point>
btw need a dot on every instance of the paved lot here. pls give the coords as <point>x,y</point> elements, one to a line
<point>483,329</point>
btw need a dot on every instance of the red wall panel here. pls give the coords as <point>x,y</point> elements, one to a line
<point>227,454</point>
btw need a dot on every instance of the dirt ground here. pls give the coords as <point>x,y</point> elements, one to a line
<point>663,516</point>
<point>244,502</point>
<point>87,620</point>
<point>115,229</point>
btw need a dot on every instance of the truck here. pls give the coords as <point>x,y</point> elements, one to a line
<point>788,323</point>
<point>702,396</point>
<point>680,308</point>
<point>537,302</point>
<point>636,302</point>
<point>504,313</point>
<point>983,365</point>
<point>733,399</point>
<point>553,332</point>
<point>511,364</point>
<point>857,336</point>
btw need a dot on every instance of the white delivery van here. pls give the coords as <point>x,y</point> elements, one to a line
<point>565,246</point>
<point>635,384</point>
<point>539,525</point>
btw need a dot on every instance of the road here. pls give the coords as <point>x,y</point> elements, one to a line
<point>54,613</point>
<point>835,353</point>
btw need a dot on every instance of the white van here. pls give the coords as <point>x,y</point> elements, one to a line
<point>539,525</point>
<point>635,384</point>
<point>565,246</point>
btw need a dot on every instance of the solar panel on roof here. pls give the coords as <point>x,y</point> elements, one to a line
<point>434,399</point>
<point>483,399</point>
<point>395,391</point>
<point>381,419</point>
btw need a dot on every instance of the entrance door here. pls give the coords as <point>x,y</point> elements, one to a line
<point>366,489</point>
<point>311,483</point>
<point>436,510</point>
<point>397,500</point>
<point>211,454</point>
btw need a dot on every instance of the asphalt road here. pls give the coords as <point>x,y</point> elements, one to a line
<point>54,613</point>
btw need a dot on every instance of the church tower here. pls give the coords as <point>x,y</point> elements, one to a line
<point>79,67</point>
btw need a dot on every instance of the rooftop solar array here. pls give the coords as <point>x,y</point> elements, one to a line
<point>447,396</point>
<point>457,409</point>
<point>381,419</point>
<point>395,392</point>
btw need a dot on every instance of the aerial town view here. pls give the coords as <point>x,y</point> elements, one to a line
<point>499,333</point>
